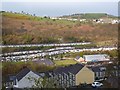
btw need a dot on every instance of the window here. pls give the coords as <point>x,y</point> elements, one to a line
<point>14,83</point>
<point>96,74</point>
<point>73,77</point>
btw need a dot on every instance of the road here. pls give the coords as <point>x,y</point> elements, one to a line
<point>38,45</point>
<point>40,53</point>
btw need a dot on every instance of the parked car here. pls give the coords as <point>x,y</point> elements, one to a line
<point>96,84</point>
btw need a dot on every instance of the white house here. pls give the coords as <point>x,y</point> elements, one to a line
<point>24,79</point>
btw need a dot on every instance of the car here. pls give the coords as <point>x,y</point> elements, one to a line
<point>110,62</point>
<point>97,84</point>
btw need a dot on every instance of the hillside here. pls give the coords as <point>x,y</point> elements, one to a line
<point>89,16</point>
<point>26,29</point>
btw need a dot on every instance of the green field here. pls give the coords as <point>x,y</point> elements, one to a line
<point>35,18</point>
<point>64,62</point>
<point>90,16</point>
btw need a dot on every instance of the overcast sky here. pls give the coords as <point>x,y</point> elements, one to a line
<point>61,8</point>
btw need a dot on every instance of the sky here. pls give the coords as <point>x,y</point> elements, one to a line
<point>60,7</point>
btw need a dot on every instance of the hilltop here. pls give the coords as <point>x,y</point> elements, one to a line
<point>89,16</point>
<point>20,28</point>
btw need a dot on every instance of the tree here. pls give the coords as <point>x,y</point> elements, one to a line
<point>45,16</point>
<point>38,82</point>
<point>44,82</point>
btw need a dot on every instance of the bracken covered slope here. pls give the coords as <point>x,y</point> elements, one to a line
<point>27,29</point>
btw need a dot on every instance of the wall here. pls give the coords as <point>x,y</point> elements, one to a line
<point>84,75</point>
<point>25,82</point>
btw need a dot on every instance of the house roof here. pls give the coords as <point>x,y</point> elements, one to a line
<point>72,69</point>
<point>22,73</point>
<point>77,57</point>
<point>37,73</point>
<point>58,70</point>
<point>76,68</point>
<point>97,68</point>
<point>96,57</point>
<point>44,61</point>
<point>46,74</point>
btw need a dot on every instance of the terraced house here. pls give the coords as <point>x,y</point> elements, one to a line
<point>99,72</point>
<point>73,75</point>
<point>63,77</point>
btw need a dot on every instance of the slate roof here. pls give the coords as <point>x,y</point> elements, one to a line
<point>58,70</point>
<point>37,73</point>
<point>77,57</point>
<point>72,69</point>
<point>44,61</point>
<point>96,57</point>
<point>46,74</point>
<point>97,68</point>
<point>76,68</point>
<point>22,73</point>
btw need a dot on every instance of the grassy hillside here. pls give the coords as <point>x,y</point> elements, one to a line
<point>24,29</point>
<point>90,16</point>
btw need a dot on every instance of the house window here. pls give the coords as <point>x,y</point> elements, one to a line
<point>96,74</point>
<point>73,83</point>
<point>100,74</point>
<point>62,77</point>
<point>73,77</point>
<point>9,84</point>
<point>67,78</point>
<point>70,82</point>
<point>14,83</point>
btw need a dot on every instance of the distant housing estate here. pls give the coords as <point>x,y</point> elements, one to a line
<point>101,20</point>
